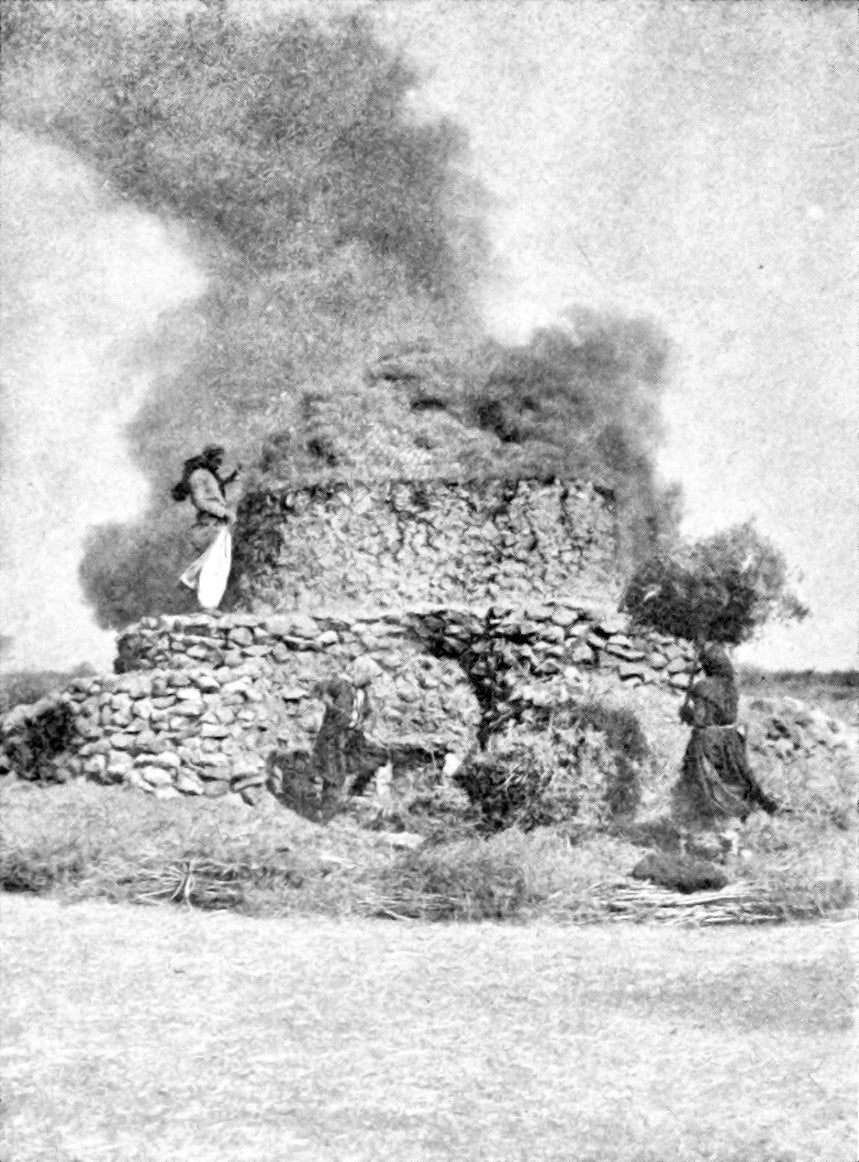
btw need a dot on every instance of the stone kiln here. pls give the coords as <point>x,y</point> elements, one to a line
<point>457,590</point>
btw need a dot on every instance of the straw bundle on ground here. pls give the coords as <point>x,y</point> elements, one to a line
<point>206,883</point>
<point>734,904</point>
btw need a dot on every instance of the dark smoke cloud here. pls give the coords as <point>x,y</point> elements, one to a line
<point>582,399</point>
<point>334,226</point>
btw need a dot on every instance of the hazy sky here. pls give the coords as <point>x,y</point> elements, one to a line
<point>693,162</point>
<point>84,278</point>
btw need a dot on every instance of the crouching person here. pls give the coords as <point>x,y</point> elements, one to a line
<point>345,755</point>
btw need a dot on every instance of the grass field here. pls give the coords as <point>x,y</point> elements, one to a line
<point>137,1034</point>
<point>292,1026</point>
<point>835,692</point>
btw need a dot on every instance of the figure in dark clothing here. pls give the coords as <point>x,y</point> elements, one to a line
<point>206,487</point>
<point>717,781</point>
<point>345,757</point>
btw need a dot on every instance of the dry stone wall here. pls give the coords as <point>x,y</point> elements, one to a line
<point>199,703</point>
<point>403,543</point>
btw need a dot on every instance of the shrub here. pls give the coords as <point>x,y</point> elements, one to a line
<point>24,687</point>
<point>437,811</point>
<point>33,870</point>
<point>582,762</point>
<point>625,740</point>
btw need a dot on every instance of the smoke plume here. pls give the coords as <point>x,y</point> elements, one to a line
<point>333,226</point>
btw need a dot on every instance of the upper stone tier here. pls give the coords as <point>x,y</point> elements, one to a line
<point>402,543</point>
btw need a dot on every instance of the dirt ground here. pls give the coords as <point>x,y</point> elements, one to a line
<point>152,1034</point>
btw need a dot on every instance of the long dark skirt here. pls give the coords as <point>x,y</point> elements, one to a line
<point>717,782</point>
<point>347,756</point>
<point>318,785</point>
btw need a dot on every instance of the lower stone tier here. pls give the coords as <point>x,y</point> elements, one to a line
<point>201,702</point>
<point>545,638</point>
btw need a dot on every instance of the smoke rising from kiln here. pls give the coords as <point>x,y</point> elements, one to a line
<point>336,226</point>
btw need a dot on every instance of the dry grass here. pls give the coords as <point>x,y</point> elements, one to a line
<point>142,1035</point>
<point>84,841</point>
<point>81,841</point>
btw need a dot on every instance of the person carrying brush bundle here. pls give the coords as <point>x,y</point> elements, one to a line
<point>717,782</point>
<point>204,484</point>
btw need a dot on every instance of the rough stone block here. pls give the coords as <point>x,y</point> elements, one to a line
<point>188,784</point>
<point>186,710</point>
<point>216,788</point>
<point>122,741</point>
<point>677,665</point>
<point>134,685</point>
<point>212,760</point>
<point>209,730</point>
<point>119,764</point>
<point>169,760</point>
<point>188,694</point>
<point>155,776</point>
<point>251,779</point>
